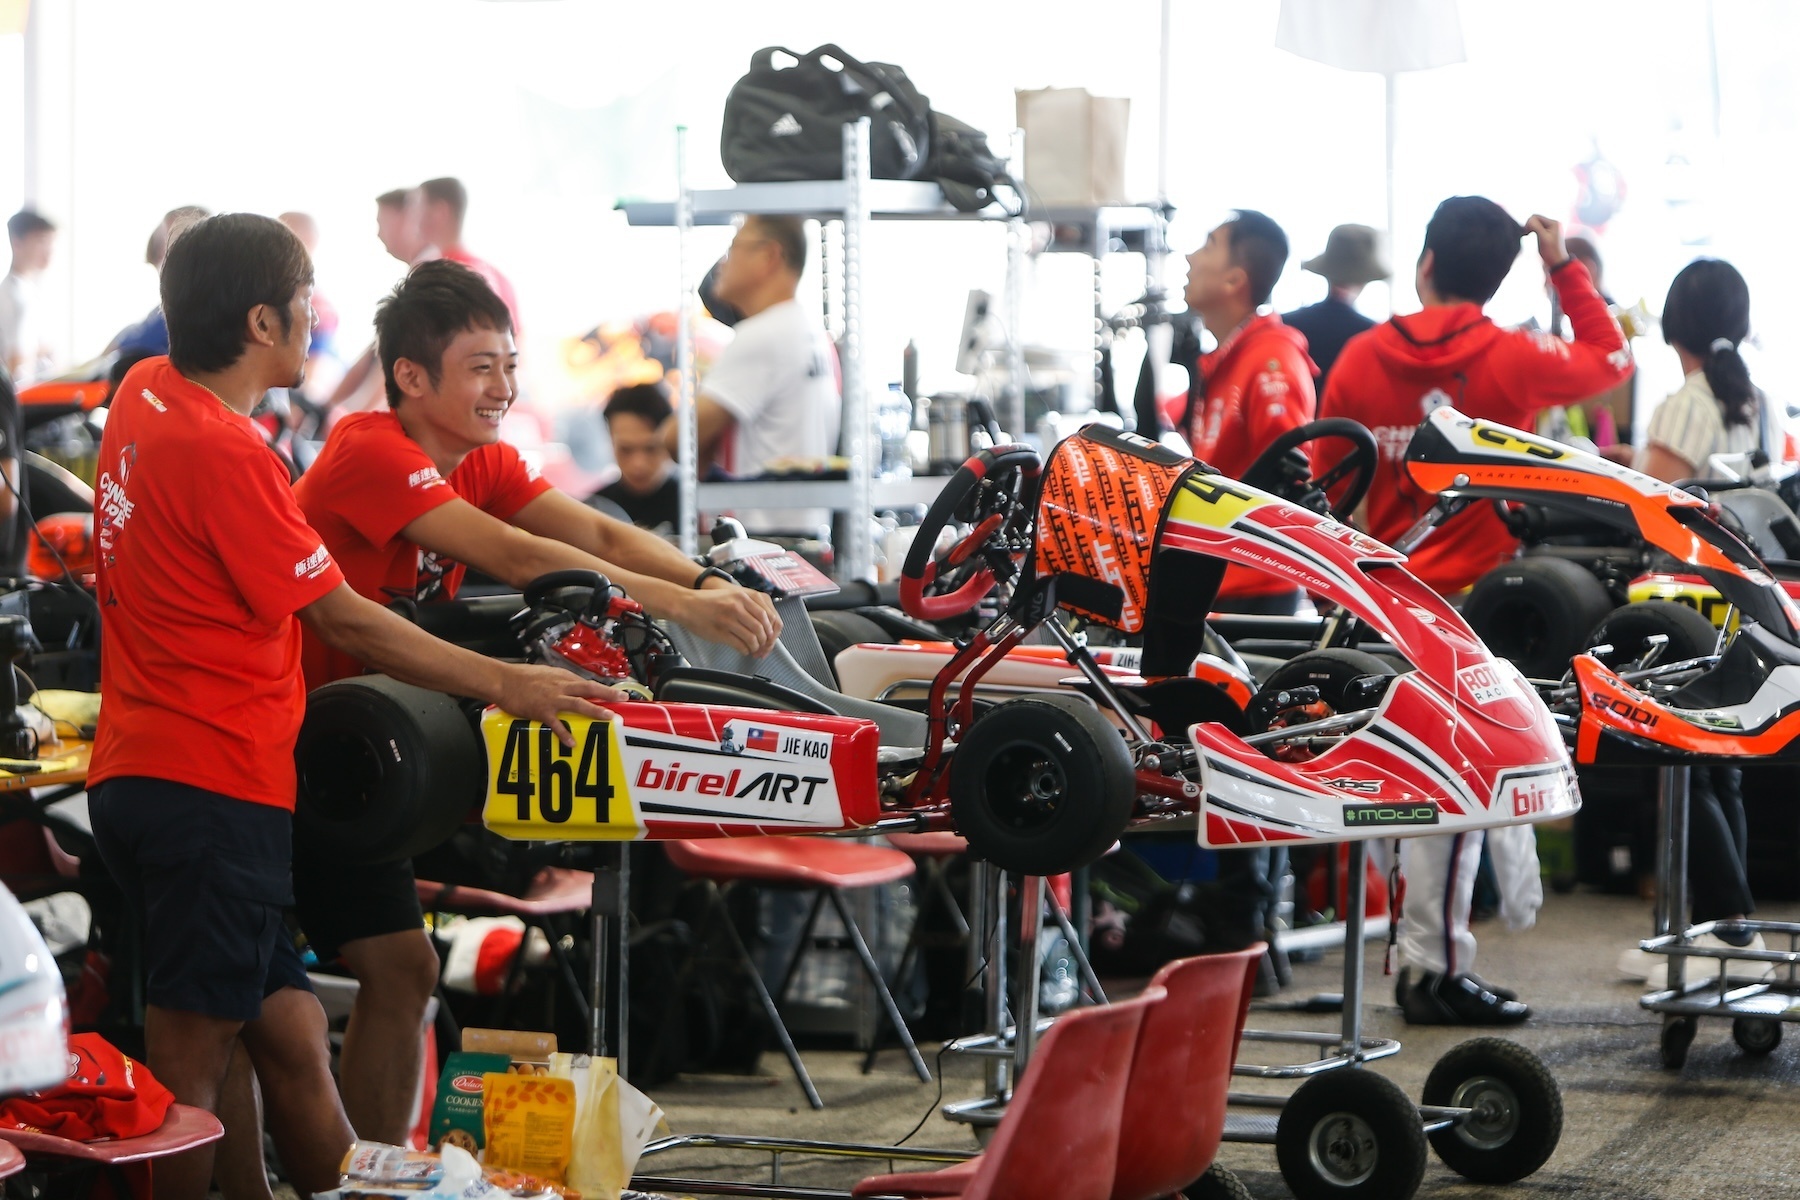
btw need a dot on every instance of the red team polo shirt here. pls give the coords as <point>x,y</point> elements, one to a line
<point>370,482</point>
<point>203,559</point>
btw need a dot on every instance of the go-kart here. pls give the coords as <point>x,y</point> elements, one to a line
<point>1119,530</point>
<point>1628,703</point>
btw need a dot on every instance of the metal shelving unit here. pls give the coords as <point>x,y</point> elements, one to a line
<point>1100,233</point>
<point>854,201</point>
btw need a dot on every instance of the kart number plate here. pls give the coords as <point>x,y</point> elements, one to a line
<point>539,788</point>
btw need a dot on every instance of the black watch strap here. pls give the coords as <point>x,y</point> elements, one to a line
<point>711,573</point>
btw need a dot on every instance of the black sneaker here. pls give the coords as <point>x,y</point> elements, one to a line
<point>1504,993</point>
<point>1453,1000</point>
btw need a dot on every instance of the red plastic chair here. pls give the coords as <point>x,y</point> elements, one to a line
<point>828,868</point>
<point>1060,1134</point>
<point>183,1129</point>
<point>553,892</point>
<point>1174,1108</point>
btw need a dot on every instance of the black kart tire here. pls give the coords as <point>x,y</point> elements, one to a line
<point>839,630</point>
<point>1042,785</point>
<point>1535,612</point>
<point>1626,629</point>
<point>1756,1035</point>
<point>386,770</point>
<point>1350,1135</point>
<point>1518,1115</point>
<point>1217,1184</point>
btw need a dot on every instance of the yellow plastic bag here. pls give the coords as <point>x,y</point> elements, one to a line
<point>596,1165</point>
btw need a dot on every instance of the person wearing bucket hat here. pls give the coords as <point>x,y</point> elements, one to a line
<point>1352,260</point>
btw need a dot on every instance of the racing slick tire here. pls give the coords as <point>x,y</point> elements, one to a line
<point>1517,1115</point>
<point>1042,785</point>
<point>386,770</point>
<point>1626,630</point>
<point>1535,611</point>
<point>1350,1135</point>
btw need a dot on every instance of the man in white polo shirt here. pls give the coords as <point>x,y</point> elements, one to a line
<point>773,392</point>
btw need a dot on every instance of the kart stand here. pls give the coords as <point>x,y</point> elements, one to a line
<point>1757,1007</point>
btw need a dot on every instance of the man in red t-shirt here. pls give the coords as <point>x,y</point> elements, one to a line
<point>1389,378</point>
<point>443,205</point>
<point>203,563</point>
<point>403,500</point>
<point>1255,386</point>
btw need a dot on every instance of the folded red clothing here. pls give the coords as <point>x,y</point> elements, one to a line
<point>107,1095</point>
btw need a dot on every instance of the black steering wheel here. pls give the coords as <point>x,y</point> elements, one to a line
<point>1279,470</point>
<point>993,492</point>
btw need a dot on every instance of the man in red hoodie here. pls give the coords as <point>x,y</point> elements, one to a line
<point>1256,385</point>
<point>1389,378</point>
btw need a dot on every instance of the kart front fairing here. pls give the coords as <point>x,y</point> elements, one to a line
<point>1460,742</point>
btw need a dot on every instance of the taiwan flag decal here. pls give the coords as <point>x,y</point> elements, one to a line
<point>761,739</point>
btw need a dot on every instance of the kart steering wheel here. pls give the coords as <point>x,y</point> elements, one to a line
<point>992,491</point>
<point>1274,472</point>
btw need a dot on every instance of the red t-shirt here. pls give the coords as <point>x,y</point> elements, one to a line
<point>1259,385</point>
<point>502,286</point>
<point>1392,376</point>
<point>370,482</point>
<point>203,559</point>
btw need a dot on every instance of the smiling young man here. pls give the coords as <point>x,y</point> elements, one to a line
<point>204,563</point>
<point>405,500</point>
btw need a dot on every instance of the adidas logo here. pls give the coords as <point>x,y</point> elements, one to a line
<point>788,126</point>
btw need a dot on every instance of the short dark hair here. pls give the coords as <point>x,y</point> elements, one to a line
<point>647,400</point>
<point>1473,243</point>
<point>26,222</point>
<point>1587,252</point>
<point>1258,245</point>
<point>450,191</point>
<point>394,199</point>
<point>215,273</point>
<point>423,314</point>
<point>789,236</point>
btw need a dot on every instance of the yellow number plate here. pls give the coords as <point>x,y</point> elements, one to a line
<point>540,790</point>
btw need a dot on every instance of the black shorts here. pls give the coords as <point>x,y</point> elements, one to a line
<point>211,876</point>
<point>339,902</point>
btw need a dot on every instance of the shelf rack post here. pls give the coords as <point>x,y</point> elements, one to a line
<point>859,556</point>
<point>688,456</point>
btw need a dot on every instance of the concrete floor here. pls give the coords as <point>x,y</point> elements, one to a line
<point>1720,1127</point>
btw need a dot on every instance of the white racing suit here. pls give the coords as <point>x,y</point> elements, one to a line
<point>1440,883</point>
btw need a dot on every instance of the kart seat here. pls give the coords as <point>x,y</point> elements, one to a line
<point>793,676</point>
<point>1773,649</point>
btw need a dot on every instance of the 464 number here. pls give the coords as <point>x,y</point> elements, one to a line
<point>535,765</point>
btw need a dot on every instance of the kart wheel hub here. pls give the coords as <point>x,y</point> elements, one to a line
<point>1495,1112</point>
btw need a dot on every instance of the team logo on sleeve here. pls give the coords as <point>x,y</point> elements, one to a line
<point>115,508</point>
<point>425,478</point>
<point>314,564</point>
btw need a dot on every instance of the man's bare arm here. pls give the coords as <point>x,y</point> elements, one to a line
<point>387,642</point>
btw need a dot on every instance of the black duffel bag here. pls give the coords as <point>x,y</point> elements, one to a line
<point>786,123</point>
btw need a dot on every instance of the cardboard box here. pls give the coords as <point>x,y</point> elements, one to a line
<point>1074,147</point>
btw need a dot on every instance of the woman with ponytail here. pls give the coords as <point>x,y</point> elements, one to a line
<point>1718,410</point>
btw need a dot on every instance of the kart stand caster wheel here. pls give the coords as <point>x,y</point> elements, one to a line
<point>1756,1035</point>
<point>1041,785</point>
<point>1517,1114</point>
<point>1217,1184</point>
<point>1677,1036</point>
<point>1350,1135</point>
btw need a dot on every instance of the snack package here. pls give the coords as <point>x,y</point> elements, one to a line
<point>456,1118</point>
<point>529,1053</point>
<point>530,1122</point>
<point>459,1176</point>
<point>382,1167</point>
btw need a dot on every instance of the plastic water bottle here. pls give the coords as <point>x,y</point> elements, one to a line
<point>893,421</point>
